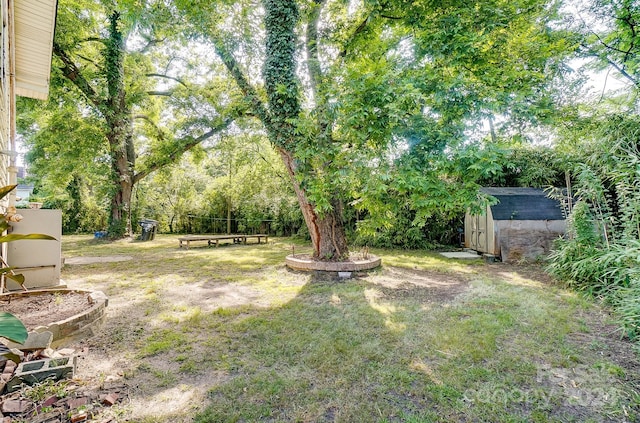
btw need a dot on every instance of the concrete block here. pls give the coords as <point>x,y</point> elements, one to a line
<point>460,255</point>
<point>489,258</point>
<point>344,275</point>
<point>32,372</point>
<point>35,341</point>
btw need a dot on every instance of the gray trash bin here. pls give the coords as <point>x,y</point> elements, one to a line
<point>149,227</point>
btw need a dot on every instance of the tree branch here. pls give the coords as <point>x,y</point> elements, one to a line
<point>73,74</point>
<point>160,75</point>
<point>609,47</point>
<point>619,68</point>
<point>87,59</point>
<point>250,93</point>
<point>181,146</point>
<point>357,31</point>
<point>94,39</point>
<point>144,117</point>
<point>623,72</point>
<point>150,43</point>
<point>315,70</point>
<point>152,123</point>
<point>313,62</point>
<point>161,93</point>
<point>627,18</point>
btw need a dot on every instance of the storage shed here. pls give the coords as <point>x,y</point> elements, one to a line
<point>522,225</point>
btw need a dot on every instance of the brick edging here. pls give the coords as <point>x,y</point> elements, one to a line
<point>80,325</point>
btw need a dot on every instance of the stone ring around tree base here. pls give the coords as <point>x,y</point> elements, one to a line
<point>304,262</point>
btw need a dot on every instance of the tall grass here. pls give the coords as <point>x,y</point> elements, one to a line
<point>601,254</point>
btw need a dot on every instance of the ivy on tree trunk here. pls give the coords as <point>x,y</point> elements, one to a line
<point>119,134</point>
<point>108,95</point>
<point>280,117</point>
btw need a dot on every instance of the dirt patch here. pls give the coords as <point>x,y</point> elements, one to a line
<point>527,271</point>
<point>212,295</point>
<point>43,309</point>
<point>608,341</point>
<point>431,286</point>
<point>91,260</point>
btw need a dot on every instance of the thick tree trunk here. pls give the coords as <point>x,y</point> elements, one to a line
<point>120,218</point>
<point>122,166</point>
<point>331,242</point>
<point>120,134</point>
<point>327,232</point>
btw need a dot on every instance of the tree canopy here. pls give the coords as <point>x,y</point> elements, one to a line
<point>358,97</point>
<point>123,72</point>
<point>391,111</point>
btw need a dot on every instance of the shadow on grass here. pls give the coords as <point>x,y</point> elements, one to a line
<point>390,346</point>
<point>349,352</point>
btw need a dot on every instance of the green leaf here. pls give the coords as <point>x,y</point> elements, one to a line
<point>19,237</point>
<point>6,190</point>
<point>19,278</point>
<point>12,328</point>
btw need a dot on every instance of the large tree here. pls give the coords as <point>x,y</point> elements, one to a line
<point>345,85</point>
<point>123,64</point>
<point>281,116</point>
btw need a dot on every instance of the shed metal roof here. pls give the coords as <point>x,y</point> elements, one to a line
<point>35,22</point>
<point>523,204</point>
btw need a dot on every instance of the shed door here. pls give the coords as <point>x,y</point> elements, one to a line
<point>479,233</point>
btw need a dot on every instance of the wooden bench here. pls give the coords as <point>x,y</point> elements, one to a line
<point>186,241</point>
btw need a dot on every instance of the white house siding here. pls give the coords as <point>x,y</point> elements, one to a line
<point>34,29</point>
<point>31,44</point>
<point>4,94</point>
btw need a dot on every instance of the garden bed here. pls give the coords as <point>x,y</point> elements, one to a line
<point>68,314</point>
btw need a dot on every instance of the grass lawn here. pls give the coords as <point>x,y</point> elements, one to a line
<point>228,334</point>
